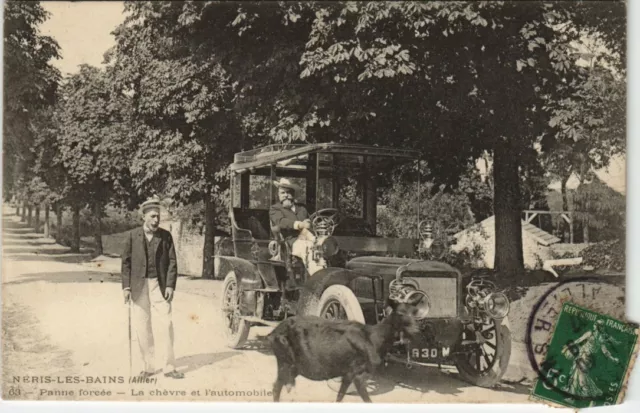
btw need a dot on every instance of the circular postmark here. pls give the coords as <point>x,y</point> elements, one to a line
<point>598,294</point>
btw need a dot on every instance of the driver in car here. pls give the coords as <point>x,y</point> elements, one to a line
<point>294,223</point>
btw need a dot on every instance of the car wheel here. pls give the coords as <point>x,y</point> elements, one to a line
<point>483,364</point>
<point>235,328</point>
<point>338,302</point>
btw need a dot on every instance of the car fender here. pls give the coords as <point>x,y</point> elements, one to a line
<point>315,285</point>
<point>246,272</point>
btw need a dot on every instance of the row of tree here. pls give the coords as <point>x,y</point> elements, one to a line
<point>190,83</point>
<point>30,85</point>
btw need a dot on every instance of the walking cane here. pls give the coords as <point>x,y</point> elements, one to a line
<point>130,356</point>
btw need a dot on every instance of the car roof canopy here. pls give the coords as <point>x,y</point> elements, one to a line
<point>280,153</point>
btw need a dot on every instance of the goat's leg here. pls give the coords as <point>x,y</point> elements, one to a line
<point>362,389</point>
<point>363,347</point>
<point>286,376</point>
<point>346,381</point>
<point>277,388</point>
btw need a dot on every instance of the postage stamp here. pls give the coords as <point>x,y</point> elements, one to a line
<point>588,359</point>
<point>593,292</point>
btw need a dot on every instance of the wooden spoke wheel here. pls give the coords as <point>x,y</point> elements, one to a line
<point>235,328</point>
<point>484,361</point>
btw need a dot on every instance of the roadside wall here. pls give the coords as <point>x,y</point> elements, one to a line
<point>188,248</point>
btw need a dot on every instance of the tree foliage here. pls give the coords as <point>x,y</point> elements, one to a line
<point>440,62</point>
<point>182,120</point>
<point>503,62</point>
<point>339,71</point>
<point>30,83</point>
<point>451,211</point>
<point>600,211</point>
<point>590,124</point>
<point>183,130</point>
<point>190,83</point>
<point>91,140</point>
<point>82,150</point>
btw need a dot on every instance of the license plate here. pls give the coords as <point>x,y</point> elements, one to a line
<point>430,353</point>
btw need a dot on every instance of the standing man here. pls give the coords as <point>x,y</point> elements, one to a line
<point>149,275</point>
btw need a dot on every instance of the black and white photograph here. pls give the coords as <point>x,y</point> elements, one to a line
<point>349,201</point>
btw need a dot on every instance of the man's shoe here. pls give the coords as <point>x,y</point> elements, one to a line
<point>174,375</point>
<point>145,374</point>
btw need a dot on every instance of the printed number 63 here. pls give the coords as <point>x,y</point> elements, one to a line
<point>14,391</point>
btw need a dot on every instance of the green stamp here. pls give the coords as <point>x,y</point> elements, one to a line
<point>588,359</point>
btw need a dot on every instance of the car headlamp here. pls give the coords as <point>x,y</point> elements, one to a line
<point>420,300</point>
<point>496,305</point>
<point>482,296</point>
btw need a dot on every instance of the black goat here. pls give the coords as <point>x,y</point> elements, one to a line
<point>321,349</point>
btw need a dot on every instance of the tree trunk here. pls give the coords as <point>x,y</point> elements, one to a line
<point>487,169</point>
<point>565,202</point>
<point>75,237</point>
<point>563,191</point>
<point>208,270</point>
<point>585,232</point>
<point>36,224</point>
<point>17,209</point>
<point>23,218</point>
<point>47,224</point>
<point>59,213</point>
<point>29,215</point>
<point>509,261</point>
<point>97,227</point>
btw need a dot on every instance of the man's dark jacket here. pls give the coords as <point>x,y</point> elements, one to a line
<point>134,260</point>
<point>284,218</point>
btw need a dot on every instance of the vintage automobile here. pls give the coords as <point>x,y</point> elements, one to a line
<point>463,320</point>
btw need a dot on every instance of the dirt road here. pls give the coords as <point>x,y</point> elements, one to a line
<point>65,337</point>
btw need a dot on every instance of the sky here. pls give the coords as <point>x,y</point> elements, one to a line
<point>614,176</point>
<point>83,31</point>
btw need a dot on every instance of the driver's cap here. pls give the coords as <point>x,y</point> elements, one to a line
<point>286,183</point>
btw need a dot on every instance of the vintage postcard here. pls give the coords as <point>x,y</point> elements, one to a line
<point>387,202</point>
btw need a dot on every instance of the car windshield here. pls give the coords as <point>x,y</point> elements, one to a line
<point>341,180</point>
<point>352,183</point>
